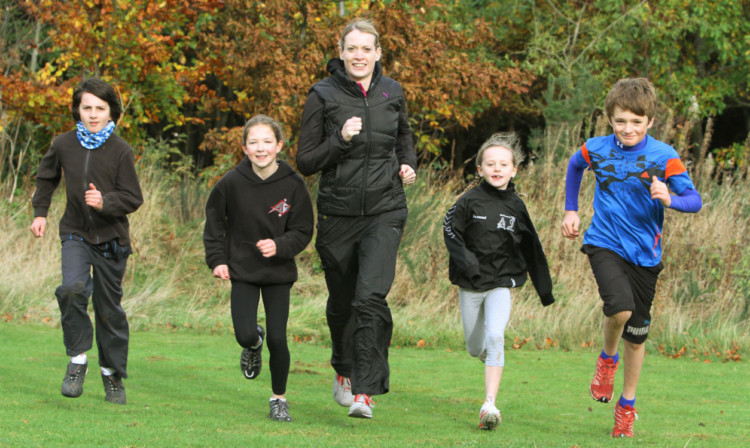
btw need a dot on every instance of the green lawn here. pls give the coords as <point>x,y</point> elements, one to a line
<point>185,390</point>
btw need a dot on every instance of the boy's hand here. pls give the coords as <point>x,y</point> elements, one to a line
<point>352,127</point>
<point>94,198</point>
<point>660,191</point>
<point>38,225</point>
<point>221,271</point>
<point>267,248</point>
<point>408,176</point>
<point>570,224</point>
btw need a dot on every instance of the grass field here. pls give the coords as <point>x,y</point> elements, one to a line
<point>185,390</point>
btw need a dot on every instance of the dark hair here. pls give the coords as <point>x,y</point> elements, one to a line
<point>265,120</point>
<point>636,95</point>
<point>101,90</point>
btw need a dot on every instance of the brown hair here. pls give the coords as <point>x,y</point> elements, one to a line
<point>265,120</point>
<point>636,95</point>
<point>363,25</point>
<point>101,90</point>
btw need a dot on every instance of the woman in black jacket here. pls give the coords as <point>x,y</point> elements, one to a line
<point>355,131</point>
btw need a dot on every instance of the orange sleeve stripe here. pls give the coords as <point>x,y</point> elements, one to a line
<point>585,154</point>
<point>674,167</point>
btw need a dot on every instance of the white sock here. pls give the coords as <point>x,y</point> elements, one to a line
<point>80,359</point>
<point>106,371</point>
<point>283,400</point>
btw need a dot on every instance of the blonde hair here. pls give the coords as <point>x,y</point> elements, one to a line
<point>363,25</point>
<point>507,140</point>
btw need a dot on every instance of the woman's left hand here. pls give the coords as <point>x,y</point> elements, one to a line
<point>267,248</point>
<point>407,173</point>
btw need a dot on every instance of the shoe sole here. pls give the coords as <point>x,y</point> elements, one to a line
<point>489,422</point>
<point>360,412</point>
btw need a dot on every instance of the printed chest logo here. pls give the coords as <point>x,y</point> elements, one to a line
<point>506,222</point>
<point>282,208</point>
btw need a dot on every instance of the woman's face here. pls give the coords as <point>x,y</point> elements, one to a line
<point>94,112</point>
<point>359,55</point>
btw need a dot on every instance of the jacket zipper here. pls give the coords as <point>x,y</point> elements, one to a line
<point>367,154</point>
<point>85,188</point>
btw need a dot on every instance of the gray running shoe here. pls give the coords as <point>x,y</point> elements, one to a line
<point>114,389</point>
<point>72,385</point>
<point>251,360</point>
<point>279,411</point>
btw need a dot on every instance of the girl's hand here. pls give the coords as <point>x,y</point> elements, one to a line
<point>408,176</point>
<point>267,248</point>
<point>38,226</point>
<point>570,224</point>
<point>660,191</point>
<point>221,271</point>
<point>94,198</point>
<point>352,127</point>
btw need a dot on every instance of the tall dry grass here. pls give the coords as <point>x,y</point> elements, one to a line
<point>701,303</point>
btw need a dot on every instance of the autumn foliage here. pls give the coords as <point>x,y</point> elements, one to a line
<point>205,66</point>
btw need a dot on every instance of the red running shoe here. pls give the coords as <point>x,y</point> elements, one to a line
<point>602,388</point>
<point>624,418</point>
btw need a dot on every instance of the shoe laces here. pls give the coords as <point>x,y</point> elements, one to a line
<point>605,372</point>
<point>624,418</point>
<point>344,382</point>
<point>364,399</point>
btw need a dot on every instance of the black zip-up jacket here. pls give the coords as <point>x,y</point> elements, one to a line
<point>359,177</point>
<point>243,209</point>
<point>493,243</point>
<point>110,167</point>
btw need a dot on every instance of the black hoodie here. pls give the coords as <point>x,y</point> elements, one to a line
<point>493,243</point>
<point>243,209</point>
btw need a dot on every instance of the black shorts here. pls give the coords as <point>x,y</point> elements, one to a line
<point>624,286</point>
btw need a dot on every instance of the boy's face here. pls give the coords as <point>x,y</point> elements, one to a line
<point>630,128</point>
<point>94,112</point>
<point>261,147</point>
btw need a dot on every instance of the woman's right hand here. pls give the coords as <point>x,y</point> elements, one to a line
<point>38,226</point>
<point>221,271</point>
<point>352,127</point>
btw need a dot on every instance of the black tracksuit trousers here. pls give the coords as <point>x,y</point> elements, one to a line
<point>359,260</point>
<point>112,330</point>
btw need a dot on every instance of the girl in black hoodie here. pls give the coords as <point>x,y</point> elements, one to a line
<point>258,217</point>
<point>492,244</point>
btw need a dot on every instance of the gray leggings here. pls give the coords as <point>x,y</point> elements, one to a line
<point>485,315</point>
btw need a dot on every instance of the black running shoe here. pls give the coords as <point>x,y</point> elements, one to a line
<point>251,360</point>
<point>279,411</point>
<point>114,389</point>
<point>72,385</point>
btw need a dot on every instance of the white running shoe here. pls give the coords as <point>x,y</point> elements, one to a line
<point>362,407</point>
<point>342,391</point>
<point>489,417</point>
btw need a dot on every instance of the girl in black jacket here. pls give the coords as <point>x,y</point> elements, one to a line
<point>492,244</point>
<point>258,217</point>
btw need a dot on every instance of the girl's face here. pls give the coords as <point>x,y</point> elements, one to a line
<point>497,166</point>
<point>359,55</point>
<point>261,148</point>
<point>94,112</point>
